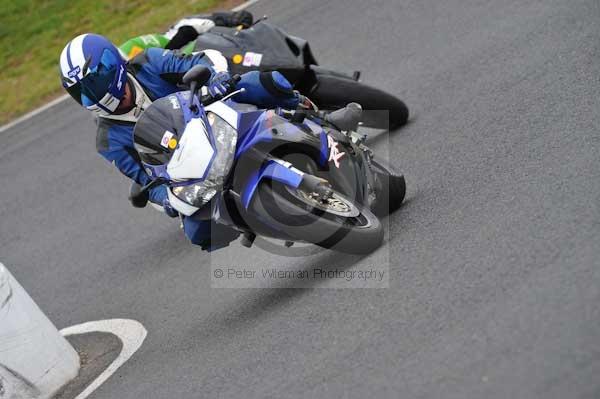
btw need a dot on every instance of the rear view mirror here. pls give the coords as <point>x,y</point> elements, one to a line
<point>198,74</point>
<point>195,78</point>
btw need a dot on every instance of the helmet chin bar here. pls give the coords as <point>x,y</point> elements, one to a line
<point>106,106</point>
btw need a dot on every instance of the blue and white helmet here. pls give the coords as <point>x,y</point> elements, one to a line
<point>93,73</point>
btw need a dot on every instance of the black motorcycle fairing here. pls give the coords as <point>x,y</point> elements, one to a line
<point>300,47</point>
<point>264,47</point>
<point>280,51</point>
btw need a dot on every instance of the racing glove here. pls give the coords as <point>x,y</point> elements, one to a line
<point>157,195</point>
<point>219,84</point>
<point>169,210</point>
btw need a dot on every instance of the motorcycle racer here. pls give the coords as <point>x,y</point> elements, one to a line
<point>97,76</point>
<point>185,31</point>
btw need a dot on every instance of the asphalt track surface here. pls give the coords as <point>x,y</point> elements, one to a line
<point>495,272</point>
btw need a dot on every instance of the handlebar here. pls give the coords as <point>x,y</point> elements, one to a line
<point>209,99</point>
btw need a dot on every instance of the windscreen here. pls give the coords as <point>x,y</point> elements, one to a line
<point>160,126</point>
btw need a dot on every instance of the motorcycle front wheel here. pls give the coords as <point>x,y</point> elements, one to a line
<point>336,223</point>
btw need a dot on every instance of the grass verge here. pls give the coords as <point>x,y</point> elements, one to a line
<point>34,32</point>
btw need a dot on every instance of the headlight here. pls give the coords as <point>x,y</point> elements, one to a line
<point>195,194</point>
<point>199,194</point>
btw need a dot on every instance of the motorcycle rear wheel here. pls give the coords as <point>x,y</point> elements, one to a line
<point>334,92</point>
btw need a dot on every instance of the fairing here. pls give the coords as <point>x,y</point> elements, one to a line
<point>203,158</point>
<point>276,49</point>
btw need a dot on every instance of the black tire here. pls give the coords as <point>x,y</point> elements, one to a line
<point>360,234</point>
<point>333,92</point>
<point>391,189</point>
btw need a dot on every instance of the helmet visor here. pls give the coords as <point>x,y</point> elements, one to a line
<point>97,83</point>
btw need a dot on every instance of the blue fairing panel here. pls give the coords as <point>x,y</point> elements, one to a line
<point>247,127</point>
<point>271,170</point>
<point>248,137</point>
<point>324,149</point>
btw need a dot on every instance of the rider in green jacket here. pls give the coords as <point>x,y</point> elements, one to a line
<point>182,34</point>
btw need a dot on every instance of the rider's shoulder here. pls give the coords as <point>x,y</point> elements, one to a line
<point>141,58</point>
<point>157,54</point>
<point>150,55</point>
<point>153,58</point>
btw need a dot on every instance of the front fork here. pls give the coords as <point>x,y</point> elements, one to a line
<point>285,173</point>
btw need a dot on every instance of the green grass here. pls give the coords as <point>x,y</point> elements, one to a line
<point>33,33</point>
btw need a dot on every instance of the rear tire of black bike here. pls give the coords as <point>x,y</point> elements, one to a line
<point>333,92</point>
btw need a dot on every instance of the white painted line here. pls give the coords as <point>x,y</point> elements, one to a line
<point>245,5</point>
<point>34,112</point>
<point>130,332</point>
<point>65,96</point>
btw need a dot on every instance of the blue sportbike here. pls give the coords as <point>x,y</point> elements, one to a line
<point>294,175</point>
